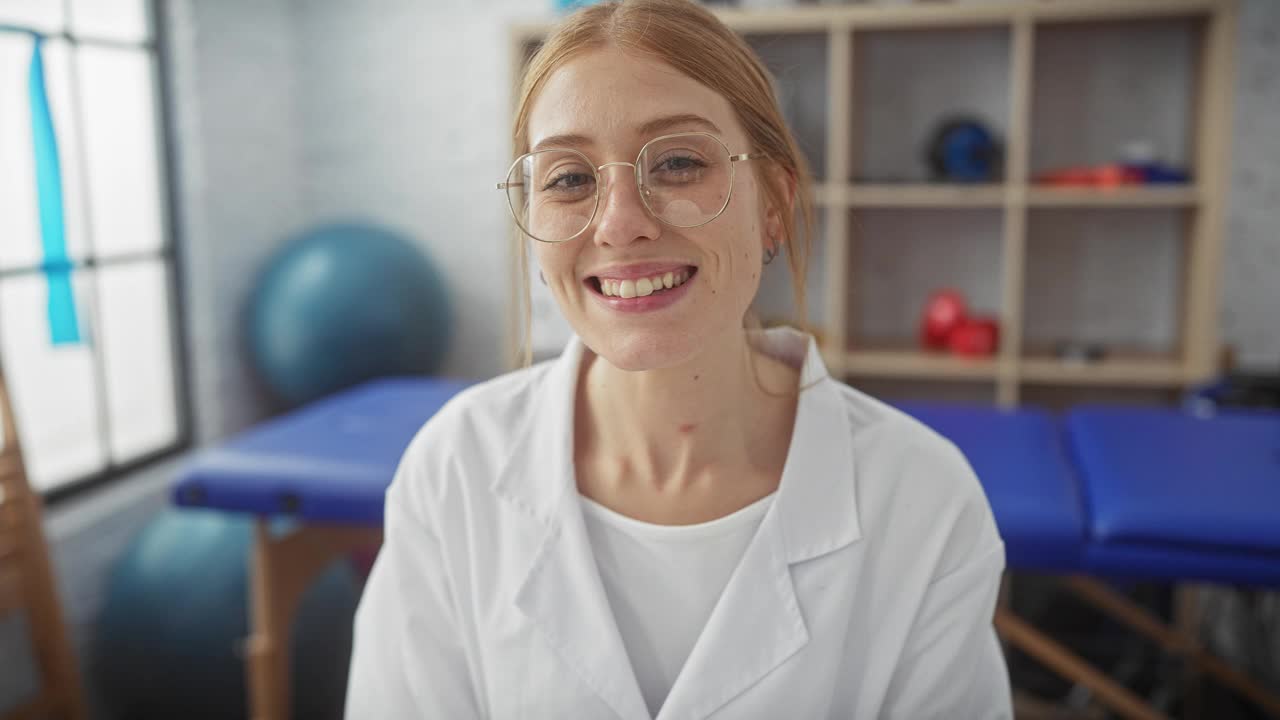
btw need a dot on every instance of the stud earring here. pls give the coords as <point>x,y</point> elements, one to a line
<point>770,253</point>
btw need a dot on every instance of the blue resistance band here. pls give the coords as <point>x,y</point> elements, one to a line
<point>63,326</point>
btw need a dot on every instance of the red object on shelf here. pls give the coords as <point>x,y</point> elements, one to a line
<point>1113,175</point>
<point>975,337</point>
<point>943,313</point>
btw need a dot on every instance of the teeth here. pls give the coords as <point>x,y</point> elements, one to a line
<point>643,286</point>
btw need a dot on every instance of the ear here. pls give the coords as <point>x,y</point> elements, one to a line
<point>777,216</point>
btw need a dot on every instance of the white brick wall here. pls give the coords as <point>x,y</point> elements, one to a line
<point>403,117</point>
<point>234,77</point>
<point>1251,266</point>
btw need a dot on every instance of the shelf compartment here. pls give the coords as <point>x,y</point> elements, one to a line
<point>906,83</point>
<point>1100,86</point>
<point>898,258</point>
<point>1108,276</point>
<point>799,65</point>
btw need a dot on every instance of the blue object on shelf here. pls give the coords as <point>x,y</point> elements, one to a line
<point>964,150</point>
<point>1157,174</point>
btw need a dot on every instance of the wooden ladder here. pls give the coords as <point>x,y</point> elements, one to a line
<point>27,586</point>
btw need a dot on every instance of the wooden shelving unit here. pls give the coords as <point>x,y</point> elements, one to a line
<point>923,195</point>
<point>916,364</point>
<point>1132,370</point>
<point>1156,197</point>
<point>842,197</point>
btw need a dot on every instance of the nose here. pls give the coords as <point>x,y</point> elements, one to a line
<point>622,217</point>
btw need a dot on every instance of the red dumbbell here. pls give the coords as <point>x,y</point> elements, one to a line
<point>943,313</point>
<point>975,337</point>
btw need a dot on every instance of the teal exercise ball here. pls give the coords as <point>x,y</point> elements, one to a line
<point>343,304</point>
<point>168,643</point>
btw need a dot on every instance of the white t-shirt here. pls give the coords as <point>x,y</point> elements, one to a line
<point>663,581</point>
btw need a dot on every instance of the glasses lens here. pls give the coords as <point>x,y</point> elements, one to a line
<point>552,194</point>
<point>685,179</point>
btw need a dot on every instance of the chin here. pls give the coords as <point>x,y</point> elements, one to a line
<point>637,350</point>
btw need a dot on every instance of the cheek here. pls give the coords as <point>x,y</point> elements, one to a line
<point>735,273</point>
<point>738,258</point>
<point>555,262</point>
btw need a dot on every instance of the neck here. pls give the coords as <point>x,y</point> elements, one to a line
<point>725,413</point>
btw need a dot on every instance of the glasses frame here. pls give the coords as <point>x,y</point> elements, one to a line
<point>597,172</point>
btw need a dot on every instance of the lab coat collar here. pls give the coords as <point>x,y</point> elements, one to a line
<point>757,624</point>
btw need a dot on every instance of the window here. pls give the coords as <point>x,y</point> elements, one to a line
<point>88,314</point>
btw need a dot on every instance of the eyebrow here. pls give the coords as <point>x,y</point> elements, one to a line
<point>648,128</point>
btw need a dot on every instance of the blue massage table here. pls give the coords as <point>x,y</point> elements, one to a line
<point>315,478</point>
<point>1127,493</point>
<point>1100,491</point>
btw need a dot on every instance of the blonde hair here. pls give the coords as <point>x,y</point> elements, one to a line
<point>695,42</point>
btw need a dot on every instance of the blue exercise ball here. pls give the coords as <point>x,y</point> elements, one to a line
<point>168,642</point>
<point>343,304</point>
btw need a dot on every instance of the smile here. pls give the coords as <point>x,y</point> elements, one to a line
<point>645,286</point>
<point>643,293</point>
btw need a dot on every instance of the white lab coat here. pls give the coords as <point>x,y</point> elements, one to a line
<point>867,592</point>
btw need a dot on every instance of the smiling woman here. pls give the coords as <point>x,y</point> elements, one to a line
<point>682,515</point>
<point>711,85</point>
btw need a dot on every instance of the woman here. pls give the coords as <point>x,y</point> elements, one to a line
<point>679,517</point>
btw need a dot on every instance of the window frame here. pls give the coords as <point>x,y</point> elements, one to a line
<point>170,254</point>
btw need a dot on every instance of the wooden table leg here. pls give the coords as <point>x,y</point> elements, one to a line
<point>1187,623</point>
<point>1049,652</point>
<point>1142,621</point>
<point>282,568</point>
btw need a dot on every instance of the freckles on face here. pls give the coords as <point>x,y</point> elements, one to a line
<point>601,100</point>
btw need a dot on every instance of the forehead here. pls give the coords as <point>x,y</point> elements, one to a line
<point>607,99</point>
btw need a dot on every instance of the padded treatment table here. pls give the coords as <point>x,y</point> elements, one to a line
<point>1138,493</point>
<point>1019,457</point>
<point>1177,497</point>
<point>1180,497</point>
<point>315,478</point>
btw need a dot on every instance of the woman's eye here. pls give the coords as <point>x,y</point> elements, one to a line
<point>680,163</point>
<point>568,181</point>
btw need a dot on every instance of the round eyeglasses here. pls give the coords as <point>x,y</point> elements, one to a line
<point>685,180</point>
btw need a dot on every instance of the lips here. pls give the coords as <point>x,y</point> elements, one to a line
<point>642,294</point>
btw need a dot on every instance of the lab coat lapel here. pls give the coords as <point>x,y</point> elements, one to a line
<point>564,596</point>
<point>754,628</point>
<point>757,624</point>
<point>562,593</point>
